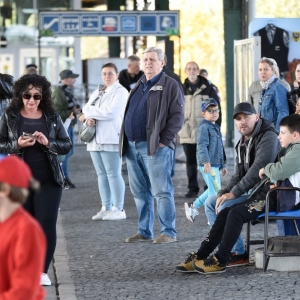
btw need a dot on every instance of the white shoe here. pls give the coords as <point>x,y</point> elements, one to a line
<point>190,211</point>
<point>45,280</point>
<point>115,214</point>
<point>102,213</point>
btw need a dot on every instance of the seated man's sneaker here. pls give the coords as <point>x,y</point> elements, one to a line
<point>190,211</point>
<point>237,260</point>
<point>45,280</point>
<point>101,214</point>
<point>164,239</point>
<point>187,266</point>
<point>136,238</point>
<point>209,265</point>
<point>115,214</point>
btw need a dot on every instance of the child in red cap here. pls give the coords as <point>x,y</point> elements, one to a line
<point>23,244</point>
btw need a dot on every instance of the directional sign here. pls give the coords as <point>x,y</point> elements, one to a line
<point>110,23</point>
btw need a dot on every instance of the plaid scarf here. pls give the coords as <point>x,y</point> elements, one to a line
<point>265,84</point>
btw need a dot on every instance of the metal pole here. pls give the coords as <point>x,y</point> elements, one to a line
<point>251,11</point>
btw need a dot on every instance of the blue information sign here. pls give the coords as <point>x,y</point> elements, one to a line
<point>110,23</point>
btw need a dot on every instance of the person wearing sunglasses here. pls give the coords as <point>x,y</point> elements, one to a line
<point>31,129</point>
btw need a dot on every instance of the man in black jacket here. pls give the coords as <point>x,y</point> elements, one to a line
<point>6,91</point>
<point>130,76</point>
<point>227,212</point>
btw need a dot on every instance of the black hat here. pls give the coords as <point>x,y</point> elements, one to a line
<point>244,108</point>
<point>203,71</point>
<point>31,66</point>
<point>67,74</point>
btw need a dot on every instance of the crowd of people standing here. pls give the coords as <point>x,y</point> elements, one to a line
<point>140,115</point>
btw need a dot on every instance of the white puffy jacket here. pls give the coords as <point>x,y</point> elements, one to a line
<point>108,113</point>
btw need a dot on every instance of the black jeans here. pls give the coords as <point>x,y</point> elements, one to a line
<point>191,166</point>
<point>43,205</point>
<point>226,230</point>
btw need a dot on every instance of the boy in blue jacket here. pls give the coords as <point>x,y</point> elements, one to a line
<point>210,155</point>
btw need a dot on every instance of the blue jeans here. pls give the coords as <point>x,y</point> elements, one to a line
<point>211,189</point>
<point>110,181</point>
<point>149,178</point>
<point>210,212</point>
<point>66,161</point>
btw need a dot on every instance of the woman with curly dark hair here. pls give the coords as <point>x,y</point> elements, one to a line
<point>31,129</point>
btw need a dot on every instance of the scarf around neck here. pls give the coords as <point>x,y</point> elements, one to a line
<point>265,84</point>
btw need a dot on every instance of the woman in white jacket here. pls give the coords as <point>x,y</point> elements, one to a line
<point>106,113</point>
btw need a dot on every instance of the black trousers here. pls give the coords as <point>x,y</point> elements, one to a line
<point>226,230</point>
<point>43,205</point>
<point>191,166</point>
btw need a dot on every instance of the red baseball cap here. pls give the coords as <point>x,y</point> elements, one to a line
<point>15,172</point>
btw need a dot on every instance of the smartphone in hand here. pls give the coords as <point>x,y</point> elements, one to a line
<point>27,135</point>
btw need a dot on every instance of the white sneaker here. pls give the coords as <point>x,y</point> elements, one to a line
<point>190,211</point>
<point>115,214</point>
<point>102,213</point>
<point>45,280</point>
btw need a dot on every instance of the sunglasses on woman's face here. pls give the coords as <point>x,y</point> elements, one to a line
<point>27,96</point>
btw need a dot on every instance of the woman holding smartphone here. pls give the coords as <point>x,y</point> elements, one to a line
<point>31,129</point>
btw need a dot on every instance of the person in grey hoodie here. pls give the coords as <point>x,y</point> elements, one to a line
<point>257,147</point>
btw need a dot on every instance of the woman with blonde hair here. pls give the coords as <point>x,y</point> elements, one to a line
<point>273,105</point>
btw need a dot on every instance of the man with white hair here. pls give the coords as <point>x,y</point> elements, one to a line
<point>153,116</point>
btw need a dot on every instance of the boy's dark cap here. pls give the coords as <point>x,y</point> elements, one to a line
<point>67,74</point>
<point>31,66</point>
<point>203,71</point>
<point>244,108</point>
<point>208,102</point>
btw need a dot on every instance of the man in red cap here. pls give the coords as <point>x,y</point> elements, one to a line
<point>23,244</point>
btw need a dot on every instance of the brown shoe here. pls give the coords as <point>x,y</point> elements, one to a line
<point>164,239</point>
<point>136,238</point>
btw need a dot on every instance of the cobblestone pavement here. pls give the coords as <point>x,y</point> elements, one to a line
<point>103,266</point>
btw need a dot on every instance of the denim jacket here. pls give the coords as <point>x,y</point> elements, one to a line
<point>273,104</point>
<point>209,145</point>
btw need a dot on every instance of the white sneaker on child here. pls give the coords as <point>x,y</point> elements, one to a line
<point>190,211</point>
<point>45,280</point>
<point>115,214</point>
<point>100,214</point>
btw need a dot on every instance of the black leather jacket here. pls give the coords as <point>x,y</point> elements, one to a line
<point>59,141</point>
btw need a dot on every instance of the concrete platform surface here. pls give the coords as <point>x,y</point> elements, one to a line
<point>92,260</point>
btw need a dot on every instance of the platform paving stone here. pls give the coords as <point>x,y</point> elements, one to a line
<point>103,266</point>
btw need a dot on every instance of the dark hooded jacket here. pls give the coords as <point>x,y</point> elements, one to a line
<point>252,155</point>
<point>6,91</point>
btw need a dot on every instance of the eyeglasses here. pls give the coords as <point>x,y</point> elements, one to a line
<point>108,74</point>
<point>192,69</point>
<point>27,96</point>
<point>212,111</point>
